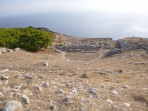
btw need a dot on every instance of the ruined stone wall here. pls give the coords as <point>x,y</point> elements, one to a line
<point>79,48</point>
<point>132,45</point>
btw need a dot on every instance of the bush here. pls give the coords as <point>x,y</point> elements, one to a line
<point>26,38</point>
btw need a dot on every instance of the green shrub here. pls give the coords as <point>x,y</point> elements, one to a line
<point>2,42</point>
<point>26,38</point>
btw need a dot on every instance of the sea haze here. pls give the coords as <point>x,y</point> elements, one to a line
<point>83,23</point>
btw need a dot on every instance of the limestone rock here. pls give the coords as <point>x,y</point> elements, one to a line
<point>3,50</point>
<point>80,88</point>
<point>125,86</point>
<point>27,76</point>
<point>37,87</point>
<point>127,105</point>
<point>4,78</point>
<point>25,99</point>
<point>59,91</point>
<point>45,63</point>
<point>52,107</point>
<point>45,84</point>
<point>138,63</point>
<point>16,49</point>
<point>5,71</point>
<point>9,50</point>
<point>114,92</point>
<point>92,91</point>
<point>109,101</point>
<point>66,99</point>
<point>74,92</point>
<point>13,106</point>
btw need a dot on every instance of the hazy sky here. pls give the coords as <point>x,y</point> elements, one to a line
<point>85,18</point>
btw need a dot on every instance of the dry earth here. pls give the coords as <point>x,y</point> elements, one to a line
<point>75,83</point>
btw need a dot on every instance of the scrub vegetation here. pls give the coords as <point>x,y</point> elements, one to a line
<point>29,38</point>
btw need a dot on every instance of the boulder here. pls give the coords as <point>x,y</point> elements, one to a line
<point>13,106</point>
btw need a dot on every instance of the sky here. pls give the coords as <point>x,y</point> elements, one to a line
<point>83,18</point>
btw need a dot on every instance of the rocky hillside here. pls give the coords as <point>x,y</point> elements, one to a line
<point>50,80</point>
<point>76,74</point>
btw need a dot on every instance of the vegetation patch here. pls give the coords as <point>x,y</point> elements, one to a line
<point>30,38</point>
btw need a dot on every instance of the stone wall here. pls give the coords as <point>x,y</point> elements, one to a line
<point>83,46</point>
<point>124,44</point>
<point>93,46</point>
<point>111,52</point>
<point>78,48</point>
